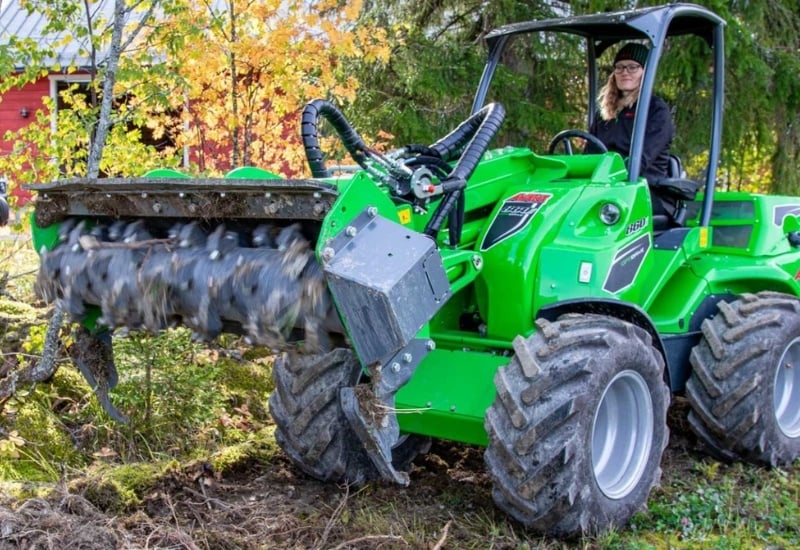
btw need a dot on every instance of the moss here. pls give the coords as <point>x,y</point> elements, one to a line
<point>107,495</point>
<point>14,310</point>
<point>258,449</point>
<point>47,445</point>
<point>69,383</point>
<point>22,490</point>
<point>16,320</point>
<point>141,477</point>
<point>119,487</point>
<point>22,468</point>
<point>262,355</point>
<point>245,376</point>
<point>247,384</point>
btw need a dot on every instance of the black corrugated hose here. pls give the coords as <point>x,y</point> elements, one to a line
<point>350,138</point>
<point>5,211</point>
<point>481,128</point>
<point>476,132</point>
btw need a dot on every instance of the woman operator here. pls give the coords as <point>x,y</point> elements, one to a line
<point>617,107</point>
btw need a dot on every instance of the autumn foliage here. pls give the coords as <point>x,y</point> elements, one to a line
<point>251,68</point>
<point>224,81</point>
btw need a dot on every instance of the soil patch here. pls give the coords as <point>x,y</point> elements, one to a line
<point>273,505</point>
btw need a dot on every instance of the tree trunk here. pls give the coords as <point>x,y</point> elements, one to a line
<point>109,80</point>
<point>786,160</point>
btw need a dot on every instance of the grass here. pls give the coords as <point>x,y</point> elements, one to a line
<point>196,406</point>
<point>742,507</point>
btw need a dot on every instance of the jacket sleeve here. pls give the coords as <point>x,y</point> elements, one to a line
<point>659,133</point>
<point>590,148</point>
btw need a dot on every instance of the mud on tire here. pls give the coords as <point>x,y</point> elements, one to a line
<point>555,463</point>
<point>311,427</point>
<point>745,384</point>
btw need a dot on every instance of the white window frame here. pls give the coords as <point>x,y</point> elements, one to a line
<point>54,80</point>
<point>85,78</point>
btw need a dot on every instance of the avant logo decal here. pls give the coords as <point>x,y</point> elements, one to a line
<point>513,216</point>
<point>636,226</point>
<point>784,210</point>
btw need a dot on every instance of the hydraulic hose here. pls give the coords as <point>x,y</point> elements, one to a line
<point>442,212</point>
<point>481,128</point>
<point>455,221</point>
<point>422,150</point>
<point>490,118</point>
<point>449,146</point>
<point>5,211</point>
<point>350,138</point>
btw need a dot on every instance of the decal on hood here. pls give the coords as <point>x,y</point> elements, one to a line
<point>513,216</point>
<point>780,213</point>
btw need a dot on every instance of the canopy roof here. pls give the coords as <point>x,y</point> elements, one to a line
<point>606,29</point>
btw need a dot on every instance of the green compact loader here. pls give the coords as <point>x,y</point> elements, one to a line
<point>531,303</point>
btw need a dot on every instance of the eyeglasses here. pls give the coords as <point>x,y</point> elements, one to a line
<point>630,69</point>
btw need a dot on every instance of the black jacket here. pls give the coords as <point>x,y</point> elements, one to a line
<point>616,134</point>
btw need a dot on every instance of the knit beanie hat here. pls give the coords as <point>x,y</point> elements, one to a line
<point>632,51</point>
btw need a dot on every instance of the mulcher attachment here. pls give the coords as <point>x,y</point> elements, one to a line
<point>152,252</point>
<point>263,283</point>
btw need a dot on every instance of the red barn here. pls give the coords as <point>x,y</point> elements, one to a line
<point>18,106</point>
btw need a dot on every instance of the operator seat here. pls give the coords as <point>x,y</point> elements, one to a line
<point>676,170</point>
<point>669,195</point>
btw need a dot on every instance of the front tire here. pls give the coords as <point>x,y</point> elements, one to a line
<point>578,427</point>
<point>745,384</point>
<point>311,427</point>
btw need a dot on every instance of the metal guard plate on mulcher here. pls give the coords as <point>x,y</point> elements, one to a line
<point>209,198</point>
<point>387,281</point>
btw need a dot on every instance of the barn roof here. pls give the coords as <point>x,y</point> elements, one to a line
<point>17,22</point>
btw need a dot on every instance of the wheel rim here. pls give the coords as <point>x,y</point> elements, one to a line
<point>786,393</point>
<point>622,434</point>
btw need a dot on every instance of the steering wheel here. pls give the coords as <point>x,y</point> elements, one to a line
<point>571,133</point>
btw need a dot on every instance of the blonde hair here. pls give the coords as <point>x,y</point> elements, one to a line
<point>611,101</point>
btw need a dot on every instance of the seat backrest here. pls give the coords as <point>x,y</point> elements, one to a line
<point>675,170</point>
<point>670,195</point>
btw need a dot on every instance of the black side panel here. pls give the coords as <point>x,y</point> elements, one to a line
<point>677,348</point>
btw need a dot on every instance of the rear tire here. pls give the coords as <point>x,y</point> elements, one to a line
<point>311,427</point>
<point>745,384</point>
<point>578,426</point>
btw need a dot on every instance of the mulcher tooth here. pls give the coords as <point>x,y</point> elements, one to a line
<point>93,355</point>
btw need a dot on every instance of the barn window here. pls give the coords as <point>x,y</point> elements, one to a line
<point>62,83</point>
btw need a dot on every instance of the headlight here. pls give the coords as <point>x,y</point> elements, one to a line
<point>609,213</point>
